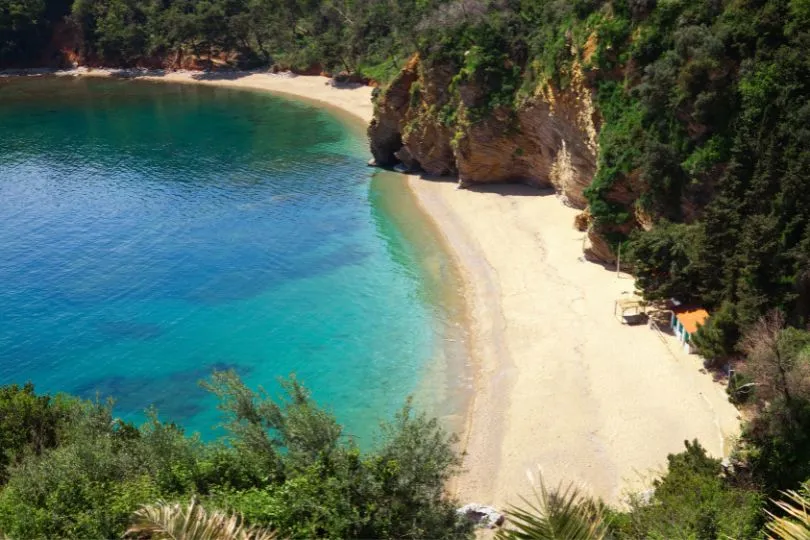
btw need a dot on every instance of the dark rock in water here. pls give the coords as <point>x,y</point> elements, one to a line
<point>176,395</point>
<point>481,515</point>
<point>130,330</point>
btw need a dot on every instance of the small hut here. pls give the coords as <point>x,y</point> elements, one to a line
<point>685,322</point>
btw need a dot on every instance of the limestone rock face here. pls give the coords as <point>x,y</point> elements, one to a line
<point>385,130</point>
<point>550,140</point>
<point>544,146</point>
<point>427,139</point>
<point>598,249</point>
<point>429,144</point>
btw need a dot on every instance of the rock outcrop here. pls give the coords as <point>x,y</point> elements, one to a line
<point>481,515</point>
<point>549,140</point>
<point>385,130</point>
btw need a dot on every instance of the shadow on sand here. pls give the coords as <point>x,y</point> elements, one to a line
<point>513,189</point>
<point>224,75</point>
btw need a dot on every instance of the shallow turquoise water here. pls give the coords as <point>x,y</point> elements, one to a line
<point>151,233</point>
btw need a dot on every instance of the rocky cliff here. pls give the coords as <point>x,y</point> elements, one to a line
<point>548,141</point>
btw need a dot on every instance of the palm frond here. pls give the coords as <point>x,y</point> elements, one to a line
<point>164,520</point>
<point>795,524</point>
<point>560,514</point>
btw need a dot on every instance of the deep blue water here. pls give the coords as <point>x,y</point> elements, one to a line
<point>151,233</point>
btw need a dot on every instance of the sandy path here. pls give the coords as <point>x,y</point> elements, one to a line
<point>562,384</point>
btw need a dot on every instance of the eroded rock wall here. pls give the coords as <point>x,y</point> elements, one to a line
<point>549,141</point>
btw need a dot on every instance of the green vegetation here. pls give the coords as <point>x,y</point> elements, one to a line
<point>704,105</point>
<point>695,499</point>
<point>562,513</point>
<point>713,116</point>
<point>777,441</point>
<point>704,112</point>
<point>70,469</point>
<point>286,470</point>
<point>284,466</point>
<point>371,37</point>
<point>192,522</point>
<point>793,521</point>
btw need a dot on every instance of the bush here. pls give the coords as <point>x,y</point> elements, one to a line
<point>285,464</point>
<point>664,260</point>
<point>716,340</point>
<point>30,424</point>
<point>693,500</point>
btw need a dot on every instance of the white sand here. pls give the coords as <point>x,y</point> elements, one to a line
<point>561,383</point>
<point>353,99</point>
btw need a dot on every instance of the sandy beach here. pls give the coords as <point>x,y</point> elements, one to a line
<point>352,99</point>
<point>561,384</point>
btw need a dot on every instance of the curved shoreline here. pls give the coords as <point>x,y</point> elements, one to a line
<point>352,104</point>
<point>563,385</point>
<point>353,99</point>
<point>559,382</point>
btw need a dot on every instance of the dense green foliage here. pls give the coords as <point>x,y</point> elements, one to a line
<point>29,424</point>
<point>718,93</point>
<point>694,499</point>
<point>368,36</point>
<point>776,443</point>
<point>285,466</point>
<point>26,28</point>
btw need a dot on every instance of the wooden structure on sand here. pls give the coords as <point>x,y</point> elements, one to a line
<point>633,303</point>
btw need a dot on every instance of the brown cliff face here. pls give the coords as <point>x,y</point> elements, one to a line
<point>385,130</point>
<point>549,141</point>
<point>426,139</point>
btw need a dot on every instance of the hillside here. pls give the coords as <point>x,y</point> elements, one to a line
<point>677,126</point>
<point>679,129</point>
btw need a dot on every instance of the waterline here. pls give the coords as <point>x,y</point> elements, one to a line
<point>148,332</point>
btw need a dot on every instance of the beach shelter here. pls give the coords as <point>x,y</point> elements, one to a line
<point>622,305</point>
<point>685,322</point>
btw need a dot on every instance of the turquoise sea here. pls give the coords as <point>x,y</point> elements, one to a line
<point>154,232</point>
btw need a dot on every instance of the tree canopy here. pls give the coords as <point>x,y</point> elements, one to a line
<point>72,470</point>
